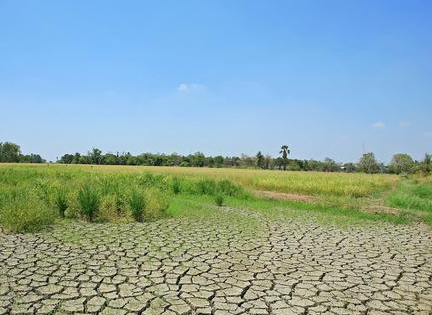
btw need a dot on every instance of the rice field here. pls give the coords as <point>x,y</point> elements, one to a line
<point>308,183</point>
<point>34,196</point>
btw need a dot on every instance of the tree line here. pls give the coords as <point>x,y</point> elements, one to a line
<point>400,164</point>
<point>11,153</point>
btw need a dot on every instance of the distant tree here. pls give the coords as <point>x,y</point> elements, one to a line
<point>330,165</point>
<point>246,161</point>
<point>349,167</point>
<point>218,161</point>
<point>176,159</point>
<point>368,163</point>
<point>84,159</point>
<point>31,158</point>
<point>259,160</point>
<point>284,151</point>
<point>110,159</point>
<point>294,165</point>
<point>9,152</point>
<point>95,156</point>
<point>235,160</point>
<point>401,163</point>
<point>426,165</point>
<point>66,159</point>
<point>198,159</point>
<point>77,158</point>
<point>280,163</point>
<point>267,162</point>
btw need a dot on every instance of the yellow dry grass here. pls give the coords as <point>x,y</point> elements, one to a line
<point>309,183</point>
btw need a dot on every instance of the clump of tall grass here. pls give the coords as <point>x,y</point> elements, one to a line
<point>229,188</point>
<point>412,195</point>
<point>176,185</point>
<point>25,212</point>
<point>137,204</point>
<point>225,187</point>
<point>149,180</point>
<point>43,190</point>
<point>219,199</point>
<point>89,201</point>
<point>206,187</point>
<point>61,201</point>
<point>157,204</point>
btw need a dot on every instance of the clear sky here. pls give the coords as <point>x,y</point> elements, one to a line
<point>328,78</point>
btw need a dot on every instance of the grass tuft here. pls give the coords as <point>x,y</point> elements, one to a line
<point>26,213</point>
<point>219,199</point>
<point>89,201</point>
<point>137,204</point>
<point>61,201</point>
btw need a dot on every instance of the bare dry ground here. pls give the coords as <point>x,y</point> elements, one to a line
<point>217,266</point>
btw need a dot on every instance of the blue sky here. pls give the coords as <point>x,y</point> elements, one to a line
<point>328,78</point>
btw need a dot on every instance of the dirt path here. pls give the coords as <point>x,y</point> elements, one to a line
<point>285,196</point>
<point>217,266</point>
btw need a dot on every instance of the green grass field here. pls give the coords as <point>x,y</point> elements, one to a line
<point>35,196</point>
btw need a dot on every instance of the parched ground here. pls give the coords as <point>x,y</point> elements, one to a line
<point>220,265</point>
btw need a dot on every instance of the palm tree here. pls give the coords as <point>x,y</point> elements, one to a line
<point>284,151</point>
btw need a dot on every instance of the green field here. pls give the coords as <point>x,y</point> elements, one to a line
<point>35,196</point>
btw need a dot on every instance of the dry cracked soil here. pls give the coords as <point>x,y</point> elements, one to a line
<point>217,266</point>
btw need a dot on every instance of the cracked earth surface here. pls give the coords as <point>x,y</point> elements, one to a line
<point>217,266</point>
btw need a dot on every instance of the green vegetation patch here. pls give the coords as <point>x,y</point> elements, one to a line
<point>412,195</point>
<point>33,197</point>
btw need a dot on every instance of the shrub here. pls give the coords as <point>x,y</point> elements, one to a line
<point>137,204</point>
<point>26,213</point>
<point>219,199</point>
<point>61,201</point>
<point>89,201</point>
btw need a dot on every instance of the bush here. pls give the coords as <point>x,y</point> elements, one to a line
<point>137,204</point>
<point>26,213</point>
<point>61,201</point>
<point>89,201</point>
<point>219,199</point>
